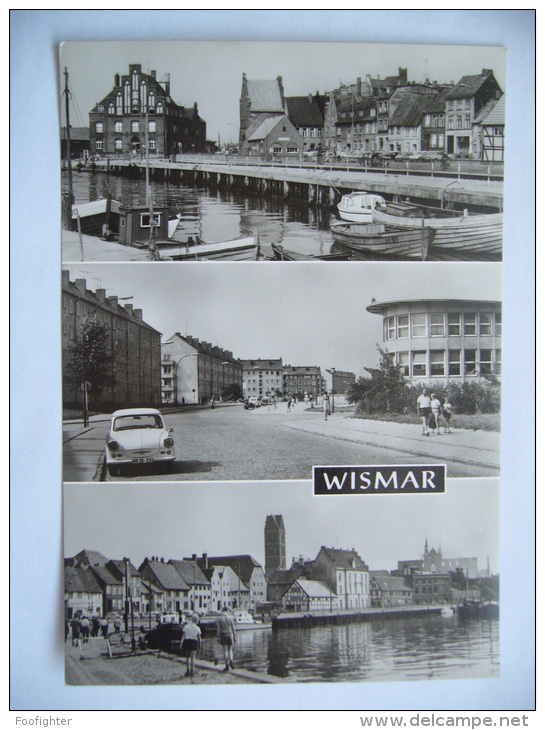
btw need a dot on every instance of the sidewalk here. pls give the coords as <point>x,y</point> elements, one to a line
<point>83,459</point>
<point>472,448</point>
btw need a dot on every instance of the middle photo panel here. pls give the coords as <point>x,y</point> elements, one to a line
<point>245,372</point>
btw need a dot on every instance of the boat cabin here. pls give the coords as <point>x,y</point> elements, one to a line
<point>135,224</point>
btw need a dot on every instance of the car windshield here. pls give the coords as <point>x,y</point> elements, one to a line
<point>122,423</point>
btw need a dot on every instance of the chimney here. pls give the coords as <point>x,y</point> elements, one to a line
<point>358,86</point>
<point>205,560</point>
<point>194,557</point>
<point>138,314</point>
<point>101,294</point>
<point>128,309</point>
<point>153,75</point>
<point>116,80</point>
<point>80,285</point>
<point>65,277</point>
<point>167,85</point>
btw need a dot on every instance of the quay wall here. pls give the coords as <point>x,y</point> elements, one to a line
<point>317,185</point>
<point>307,620</point>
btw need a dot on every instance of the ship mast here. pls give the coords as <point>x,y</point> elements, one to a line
<point>68,152</point>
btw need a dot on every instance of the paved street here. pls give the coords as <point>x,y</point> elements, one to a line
<point>230,443</point>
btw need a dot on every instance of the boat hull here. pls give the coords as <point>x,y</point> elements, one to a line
<point>244,249</point>
<point>284,254</point>
<point>378,241</point>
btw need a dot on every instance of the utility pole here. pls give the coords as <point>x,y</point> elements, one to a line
<point>68,152</point>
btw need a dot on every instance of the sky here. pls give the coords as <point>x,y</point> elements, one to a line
<point>176,521</point>
<point>305,314</point>
<point>210,73</point>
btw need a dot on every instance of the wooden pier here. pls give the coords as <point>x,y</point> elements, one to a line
<point>308,620</point>
<point>317,185</point>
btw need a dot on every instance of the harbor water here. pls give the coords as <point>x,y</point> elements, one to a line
<point>419,648</point>
<point>219,215</point>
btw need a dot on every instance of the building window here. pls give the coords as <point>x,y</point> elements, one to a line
<point>391,328</point>
<point>418,325</point>
<point>152,143</point>
<point>497,324</point>
<point>143,96</point>
<point>470,362</point>
<point>485,362</point>
<point>454,362</point>
<point>127,97</point>
<point>111,108</point>
<point>437,362</point>
<point>485,324</point>
<point>99,127</point>
<point>437,324</point>
<point>497,365</point>
<point>99,144</point>
<point>454,327</point>
<point>145,219</point>
<point>118,103</point>
<point>118,127</point>
<point>403,326</point>
<point>292,149</point>
<point>403,363</point>
<point>470,323</point>
<point>152,126</point>
<point>419,364</point>
<point>159,108</point>
<point>135,126</point>
<point>119,144</point>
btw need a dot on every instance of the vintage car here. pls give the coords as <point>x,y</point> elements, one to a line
<point>138,436</point>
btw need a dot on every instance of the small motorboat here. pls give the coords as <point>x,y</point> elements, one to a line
<point>240,249</point>
<point>358,207</point>
<point>244,621</point>
<point>284,254</point>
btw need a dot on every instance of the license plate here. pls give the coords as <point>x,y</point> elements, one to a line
<point>143,460</point>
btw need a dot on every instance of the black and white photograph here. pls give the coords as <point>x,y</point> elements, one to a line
<point>282,152</point>
<point>247,372</point>
<point>304,589</point>
<point>278,439</point>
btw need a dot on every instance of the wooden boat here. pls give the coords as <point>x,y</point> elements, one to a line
<point>364,241</point>
<point>284,254</point>
<point>470,235</point>
<point>358,207</point>
<point>90,218</point>
<point>241,249</point>
<point>472,609</point>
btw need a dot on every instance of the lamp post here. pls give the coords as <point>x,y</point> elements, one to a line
<point>191,354</point>
<point>332,373</point>
<point>84,384</point>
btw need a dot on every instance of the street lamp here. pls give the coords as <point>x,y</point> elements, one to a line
<point>332,373</point>
<point>191,354</point>
<point>84,326</point>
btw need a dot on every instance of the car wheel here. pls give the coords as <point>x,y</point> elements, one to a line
<point>114,470</point>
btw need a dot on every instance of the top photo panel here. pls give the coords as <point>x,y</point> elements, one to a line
<point>239,151</point>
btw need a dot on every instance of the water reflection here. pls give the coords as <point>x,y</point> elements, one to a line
<point>218,214</point>
<point>404,649</point>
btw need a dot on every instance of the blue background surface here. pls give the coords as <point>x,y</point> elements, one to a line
<point>37,657</point>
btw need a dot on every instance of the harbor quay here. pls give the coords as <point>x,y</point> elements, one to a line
<point>323,185</point>
<point>325,618</point>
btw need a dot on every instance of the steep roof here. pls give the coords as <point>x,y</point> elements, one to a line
<point>468,86</point>
<point>408,113</point>
<point>104,576</point>
<point>492,113</point>
<point>302,370</point>
<point>242,565</point>
<point>78,580</point>
<point>348,559</point>
<point>190,572</point>
<point>313,588</point>
<point>274,364</point>
<point>265,96</point>
<point>274,522</point>
<point>304,112</point>
<point>167,576</point>
<point>90,557</point>
<point>264,128</point>
<point>387,582</point>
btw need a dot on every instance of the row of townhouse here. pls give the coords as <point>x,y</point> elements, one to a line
<point>270,377</point>
<point>97,586</point>
<point>466,119</point>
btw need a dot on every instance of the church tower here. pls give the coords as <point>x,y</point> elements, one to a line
<point>275,544</point>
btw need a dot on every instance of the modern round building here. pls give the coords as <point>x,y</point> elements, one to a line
<point>442,339</point>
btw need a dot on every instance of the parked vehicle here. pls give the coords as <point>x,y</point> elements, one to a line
<point>138,436</point>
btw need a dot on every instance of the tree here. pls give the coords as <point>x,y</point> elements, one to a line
<point>91,359</point>
<point>385,391</point>
<point>231,392</point>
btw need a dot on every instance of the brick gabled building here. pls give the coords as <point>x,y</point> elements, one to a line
<point>139,109</point>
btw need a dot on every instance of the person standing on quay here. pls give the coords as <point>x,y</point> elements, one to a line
<point>226,637</point>
<point>447,412</point>
<point>191,642</point>
<point>435,412</point>
<point>423,405</point>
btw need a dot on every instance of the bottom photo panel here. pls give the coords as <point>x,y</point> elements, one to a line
<point>269,583</point>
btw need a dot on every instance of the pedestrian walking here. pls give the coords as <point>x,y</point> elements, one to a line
<point>423,406</point>
<point>226,637</point>
<point>289,403</point>
<point>191,642</point>
<point>95,626</point>
<point>76,631</point>
<point>84,629</point>
<point>104,627</point>
<point>447,412</point>
<point>327,406</point>
<point>66,631</point>
<point>435,406</point>
<point>117,625</point>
